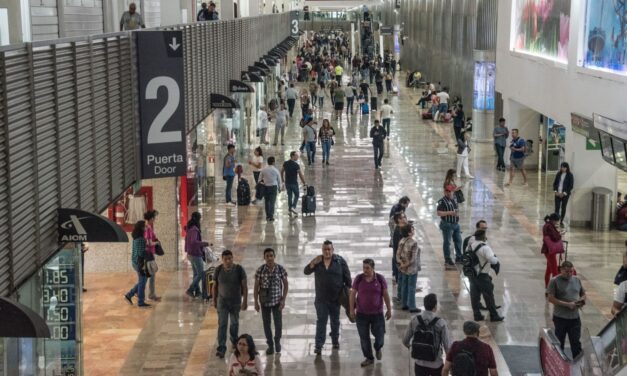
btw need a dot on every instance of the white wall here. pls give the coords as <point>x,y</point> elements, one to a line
<point>556,90</point>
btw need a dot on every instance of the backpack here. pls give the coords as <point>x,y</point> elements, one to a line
<point>464,363</point>
<point>425,344</point>
<point>470,260</point>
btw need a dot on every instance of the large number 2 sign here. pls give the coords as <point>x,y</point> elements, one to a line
<point>156,134</point>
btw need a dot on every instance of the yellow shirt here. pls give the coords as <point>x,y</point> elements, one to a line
<point>339,70</point>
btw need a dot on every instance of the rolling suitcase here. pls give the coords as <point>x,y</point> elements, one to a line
<point>365,110</point>
<point>207,283</point>
<point>309,201</point>
<point>373,103</point>
<point>243,192</point>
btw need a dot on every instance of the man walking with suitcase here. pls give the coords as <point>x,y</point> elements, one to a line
<point>291,172</point>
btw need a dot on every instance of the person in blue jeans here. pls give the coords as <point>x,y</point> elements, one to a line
<point>408,260</point>
<point>228,172</point>
<point>194,249</point>
<point>230,295</point>
<point>137,260</point>
<point>290,173</point>
<point>309,139</point>
<point>447,210</point>
<point>325,138</point>
<point>369,292</point>
<point>332,277</point>
<point>378,135</point>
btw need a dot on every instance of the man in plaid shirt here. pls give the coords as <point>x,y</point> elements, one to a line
<point>270,293</point>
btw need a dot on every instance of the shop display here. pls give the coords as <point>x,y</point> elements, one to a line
<point>542,27</point>
<point>606,35</point>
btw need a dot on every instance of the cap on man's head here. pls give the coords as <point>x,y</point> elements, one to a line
<point>471,328</point>
<point>450,188</point>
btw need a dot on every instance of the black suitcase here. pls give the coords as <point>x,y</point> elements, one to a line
<point>207,282</point>
<point>243,192</point>
<point>373,103</point>
<point>311,191</point>
<point>309,205</point>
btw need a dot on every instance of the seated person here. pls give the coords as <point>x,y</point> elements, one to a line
<point>621,218</point>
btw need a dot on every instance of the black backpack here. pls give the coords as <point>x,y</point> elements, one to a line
<point>470,260</point>
<point>464,363</point>
<point>426,342</point>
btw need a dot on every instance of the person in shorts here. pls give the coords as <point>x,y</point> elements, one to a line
<point>517,157</point>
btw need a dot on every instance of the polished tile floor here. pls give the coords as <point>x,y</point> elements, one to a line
<point>177,336</point>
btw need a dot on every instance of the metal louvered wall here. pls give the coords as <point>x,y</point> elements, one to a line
<point>69,123</point>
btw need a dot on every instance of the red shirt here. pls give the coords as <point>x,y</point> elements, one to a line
<point>620,216</point>
<point>484,357</point>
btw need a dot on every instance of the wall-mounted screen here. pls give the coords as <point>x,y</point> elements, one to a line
<point>605,38</point>
<point>542,28</point>
<point>483,95</point>
<point>606,147</point>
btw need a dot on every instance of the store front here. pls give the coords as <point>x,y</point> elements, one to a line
<point>54,295</point>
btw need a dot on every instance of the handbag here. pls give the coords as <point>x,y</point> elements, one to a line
<point>152,267</point>
<point>459,196</point>
<point>144,269</point>
<point>209,256</point>
<point>554,247</point>
<point>159,250</point>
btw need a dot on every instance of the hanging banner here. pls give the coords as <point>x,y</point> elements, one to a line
<point>161,103</point>
<point>251,77</point>
<point>75,225</point>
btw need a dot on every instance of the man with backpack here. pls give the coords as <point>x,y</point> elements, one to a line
<point>367,296</point>
<point>475,259</point>
<point>426,336</point>
<point>470,356</point>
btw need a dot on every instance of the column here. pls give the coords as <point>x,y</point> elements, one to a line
<point>226,9</point>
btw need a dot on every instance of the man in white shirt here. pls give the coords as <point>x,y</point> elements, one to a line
<point>279,124</point>
<point>262,124</point>
<point>271,179</point>
<point>291,94</point>
<point>131,20</point>
<point>481,283</point>
<point>443,108</point>
<point>350,97</point>
<point>619,298</point>
<point>386,116</point>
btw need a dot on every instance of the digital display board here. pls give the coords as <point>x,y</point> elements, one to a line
<point>59,301</point>
<point>606,147</point>
<point>484,89</point>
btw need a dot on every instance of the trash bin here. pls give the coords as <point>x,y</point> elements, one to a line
<point>601,209</point>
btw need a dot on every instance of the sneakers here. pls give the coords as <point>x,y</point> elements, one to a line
<point>294,212</point>
<point>269,351</point>
<point>367,362</point>
<point>220,354</point>
<point>144,305</point>
<point>190,294</point>
<point>379,354</point>
<point>415,310</point>
<point>497,319</point>
<point>277,348</point>
<point>318,351</point>
<point>449,262</point>
<point>254,202</point>
<point>155,298</point>
<point>478,318</point>
<point>336,346</point>
<point>470,177</point>
<point>129,299</point>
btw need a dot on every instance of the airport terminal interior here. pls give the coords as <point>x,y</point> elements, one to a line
<point>135,233</point>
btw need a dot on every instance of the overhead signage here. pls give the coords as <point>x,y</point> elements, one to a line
<point>161,104</point>
<point>75,225</point>
<point>386,30</point>
<point>19,321</point>
<point>256,69</point>
<point>294,23</point>
<point>222,101</point>
<point>583,125</point>
<point>240,87</point>
<point>251,77</point>
<point>614,127</point>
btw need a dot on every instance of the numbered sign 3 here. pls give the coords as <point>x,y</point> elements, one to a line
<point>294,26</point>
<point>162,106</point>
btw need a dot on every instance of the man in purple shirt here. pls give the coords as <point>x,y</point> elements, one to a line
<point>369,292</point>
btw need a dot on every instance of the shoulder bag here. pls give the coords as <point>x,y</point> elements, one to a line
<point>553,247</point>
<point>459,196</point>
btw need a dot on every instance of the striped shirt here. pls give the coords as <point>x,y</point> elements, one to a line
<point>447,204</point>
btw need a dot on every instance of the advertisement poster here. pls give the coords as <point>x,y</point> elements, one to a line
<point>483,95</point>
<point>556,133</point>
<point>606,31</point>
<point>542,27</point>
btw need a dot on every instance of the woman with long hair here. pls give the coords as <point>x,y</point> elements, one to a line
<point>563,186</point>
<point>325,138</point>
<point>137,260</point>
<point>450,179</point>
<point>245,359</point>
<point>194,249</point>
<point>151,244</point>
<point>551,238</point>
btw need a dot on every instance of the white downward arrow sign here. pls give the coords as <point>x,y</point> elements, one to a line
<point>592,142</point>
<point>174,46</point>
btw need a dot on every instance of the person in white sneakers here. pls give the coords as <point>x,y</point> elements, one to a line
<point>463,148</point>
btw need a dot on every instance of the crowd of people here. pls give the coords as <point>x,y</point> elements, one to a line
<point>326,69</point>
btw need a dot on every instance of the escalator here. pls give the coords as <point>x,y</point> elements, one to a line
<point>603,355</point>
